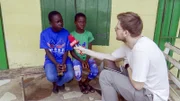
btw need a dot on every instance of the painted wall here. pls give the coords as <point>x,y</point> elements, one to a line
<point>22,25</point>
<point>145,8</point>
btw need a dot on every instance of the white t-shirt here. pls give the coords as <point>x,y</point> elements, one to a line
<point>148,65</point>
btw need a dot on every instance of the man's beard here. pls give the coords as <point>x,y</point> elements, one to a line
<point>123,40</point>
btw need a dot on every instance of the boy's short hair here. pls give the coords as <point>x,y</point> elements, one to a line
<point>51,14</point>
<point>79,15</point>
<point>132,22</point>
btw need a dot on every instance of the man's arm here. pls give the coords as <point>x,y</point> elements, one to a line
<point>140,69</point>
<point>101,56</point>
<point>136,85</point>
<point>97,55</point>
<point>50,56</point>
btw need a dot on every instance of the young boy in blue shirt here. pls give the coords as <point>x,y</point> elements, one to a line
<point>81,61</point>
<point>56,44</point>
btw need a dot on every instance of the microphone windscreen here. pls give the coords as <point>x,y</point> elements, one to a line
<point>72,40</point>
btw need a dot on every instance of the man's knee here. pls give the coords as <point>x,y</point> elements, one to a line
<point>105,78</point>
<point>103,75</point>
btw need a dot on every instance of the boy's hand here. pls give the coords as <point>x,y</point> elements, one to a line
<point>85,65</point>
<point>58,66</point>
<point>63,67</point>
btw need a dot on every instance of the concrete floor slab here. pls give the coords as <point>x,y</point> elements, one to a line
<point>73,94</point>
<point>8,97</point>
<point>2,82</point>
<point>42,91</point>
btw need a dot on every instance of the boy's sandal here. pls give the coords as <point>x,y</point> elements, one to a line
<point>90,88</point>
<point>83,89</point>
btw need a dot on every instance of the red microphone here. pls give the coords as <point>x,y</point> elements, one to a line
<point>73,42</point>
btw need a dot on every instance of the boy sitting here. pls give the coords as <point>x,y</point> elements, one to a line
<point>57,65</point>
<point>81,60</point>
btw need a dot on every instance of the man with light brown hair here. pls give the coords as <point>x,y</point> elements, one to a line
<point>145,76</point>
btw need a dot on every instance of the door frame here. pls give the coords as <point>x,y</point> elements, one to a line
<point>167,21</point>
<point>3,54</point>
